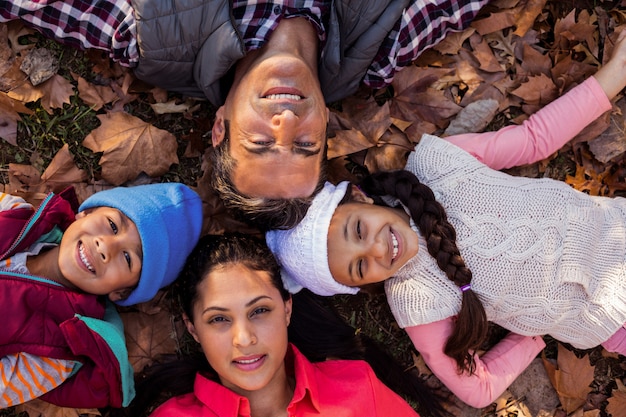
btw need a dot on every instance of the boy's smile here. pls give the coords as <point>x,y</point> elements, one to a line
<point>100,253</point>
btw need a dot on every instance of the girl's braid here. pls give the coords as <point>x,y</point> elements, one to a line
<point>430,216</point>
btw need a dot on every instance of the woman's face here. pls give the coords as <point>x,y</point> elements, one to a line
<point>240,320</point>
<point>368,243</point>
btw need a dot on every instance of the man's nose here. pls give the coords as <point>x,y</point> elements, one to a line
<point>285,124</point>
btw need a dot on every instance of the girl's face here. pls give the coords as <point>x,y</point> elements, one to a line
<point>368,243</point>
<point>240,320</point>
<point>101,253</point>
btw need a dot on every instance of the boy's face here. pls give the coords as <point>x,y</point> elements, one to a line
<point>101,253</point>
<point>368,243</point>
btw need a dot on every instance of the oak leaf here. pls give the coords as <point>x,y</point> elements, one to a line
<point>131,146</point>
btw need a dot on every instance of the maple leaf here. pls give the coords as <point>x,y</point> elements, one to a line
<point>617,401</point>
<point>537,91</point>
<point>93,95</point>
<point>53,93</point>
<point>570,377</point>
<point>39,408</point>
<point>131,146</point>
<point>147,336</point>
<point>9,116</point>
<point>527,15</point>
<point>62,171</point>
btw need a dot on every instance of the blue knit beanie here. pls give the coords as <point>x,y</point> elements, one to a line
<point>169,220</point>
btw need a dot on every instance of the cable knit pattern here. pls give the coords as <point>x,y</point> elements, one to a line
<point>546,259</point>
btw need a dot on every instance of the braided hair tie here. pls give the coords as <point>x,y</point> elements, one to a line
<point>465,287</point>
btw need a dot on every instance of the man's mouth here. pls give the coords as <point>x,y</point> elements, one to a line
<point>83,258</point>
<point>283,97</point>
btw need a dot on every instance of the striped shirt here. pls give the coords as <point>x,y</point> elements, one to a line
<point>110,25</point>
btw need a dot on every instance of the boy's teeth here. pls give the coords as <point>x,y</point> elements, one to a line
<point>283,96</point>
<point>83,258</point>
<point>395,246</point>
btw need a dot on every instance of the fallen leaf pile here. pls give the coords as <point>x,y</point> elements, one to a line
<point>516,57</point>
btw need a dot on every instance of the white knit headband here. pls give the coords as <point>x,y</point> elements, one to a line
<point>303,251</point>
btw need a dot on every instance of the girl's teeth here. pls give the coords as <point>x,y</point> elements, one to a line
<point>283,96</point>
<point>395,246</point>
<point>81,251</point>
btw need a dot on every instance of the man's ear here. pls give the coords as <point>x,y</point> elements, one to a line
<point>359,196</point>
<point>219,127</point>
<point>190,327</point>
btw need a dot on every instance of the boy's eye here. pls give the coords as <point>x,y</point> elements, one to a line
<point>113,226</point>
<point>128,259</point>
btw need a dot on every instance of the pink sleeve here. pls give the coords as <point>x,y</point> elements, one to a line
<point>495,370</point>
<point>542,134</point>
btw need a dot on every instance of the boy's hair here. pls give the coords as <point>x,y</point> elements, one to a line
<point>168,217</point>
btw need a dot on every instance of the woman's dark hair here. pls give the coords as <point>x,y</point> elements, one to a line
<point>316,329</point>
<point>471,325</point>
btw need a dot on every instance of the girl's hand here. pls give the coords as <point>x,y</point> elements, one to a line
<point>612,76</point>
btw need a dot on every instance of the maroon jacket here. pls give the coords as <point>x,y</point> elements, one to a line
<point>47,319</point>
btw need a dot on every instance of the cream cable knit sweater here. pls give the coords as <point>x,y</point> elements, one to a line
<point>545,258</point>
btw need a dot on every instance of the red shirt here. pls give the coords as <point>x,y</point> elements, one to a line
<point>337,388</point>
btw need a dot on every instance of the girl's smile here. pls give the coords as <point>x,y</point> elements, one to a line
<point>368,243</point>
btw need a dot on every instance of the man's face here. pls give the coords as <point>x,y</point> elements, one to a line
<point>277,132</point>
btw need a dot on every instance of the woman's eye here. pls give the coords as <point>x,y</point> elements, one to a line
<point>218,319</point>
<point>113,226</point>
<point>260,310</point>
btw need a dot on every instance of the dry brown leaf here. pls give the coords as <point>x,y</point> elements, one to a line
<point>495,22</point>
<point>534,62</point>
<point>528,13</point>
<point>391,153</point>
<point>62,171</point>
<point>617,401</point>
<point>9,116</point>
<point>346,142</point>
<point>131,146</point>
<point>93,95</point>
<point>453,41</point>
<point>537,91</point>
<point>473,118</point>
<point>39,408</point>
<point>175,106</point>
<point>53,93</point>
<point>483,53</point>
<point>147,336</point>
<point>571,378</point>
<point>25,179</point>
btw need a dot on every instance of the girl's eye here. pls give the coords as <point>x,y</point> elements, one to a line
<point>113,226</point>
<point>127,257</point>
<point>358,229</point>
<point>359,267</point>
